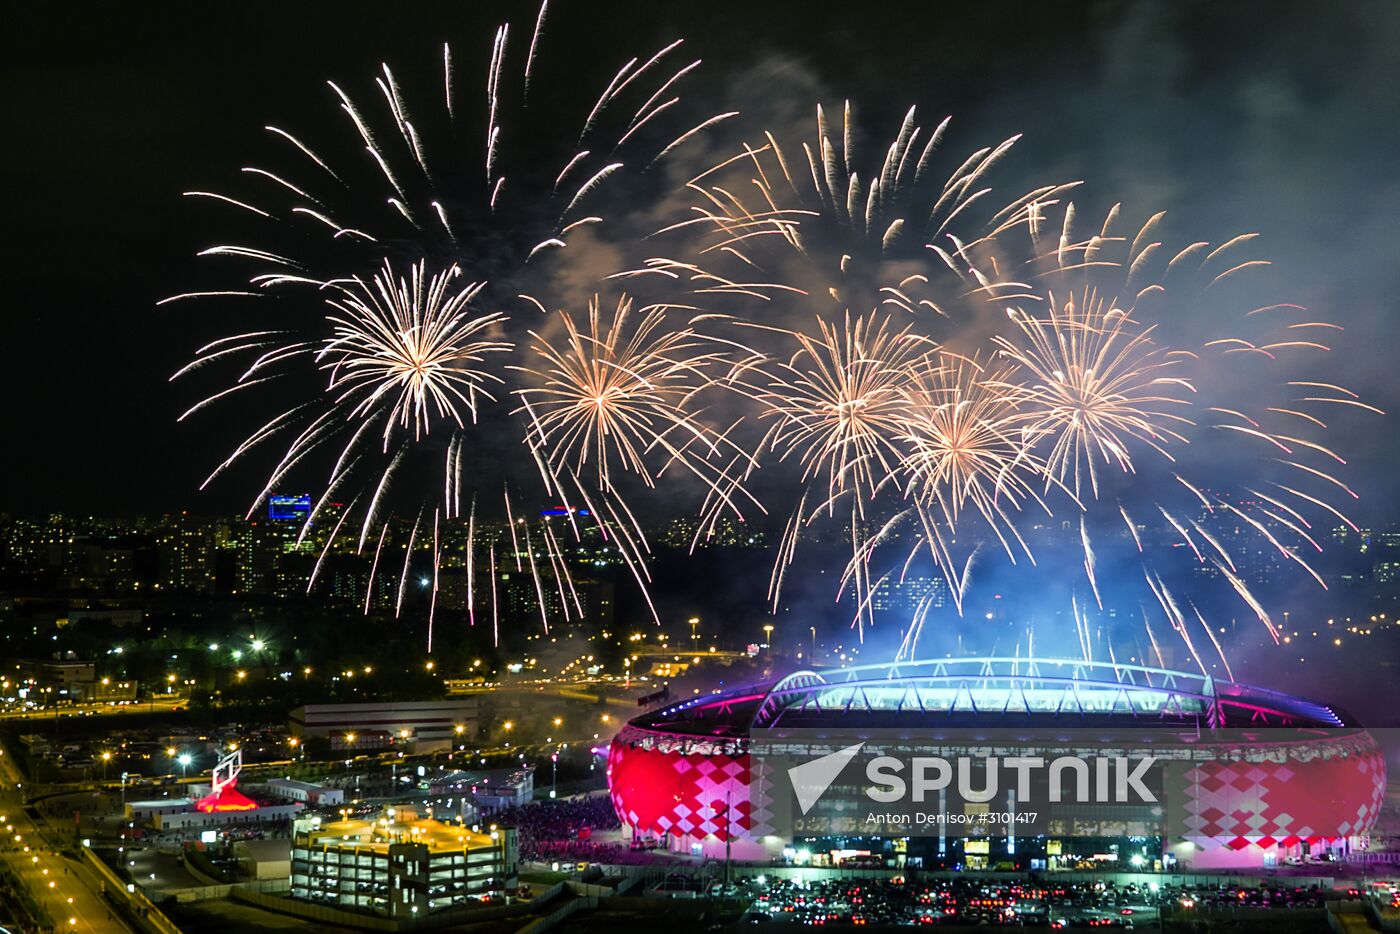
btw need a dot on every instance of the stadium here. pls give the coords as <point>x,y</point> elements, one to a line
<point>1265,777</point>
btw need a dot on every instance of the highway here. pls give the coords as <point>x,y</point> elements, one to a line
<point>68,890</point>
<point>161,705</point>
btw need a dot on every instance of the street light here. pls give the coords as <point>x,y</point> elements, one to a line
<point>106,757</point>
<point>184,761</point>
<point>768,636</point>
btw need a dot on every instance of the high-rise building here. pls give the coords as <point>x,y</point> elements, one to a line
<point>909,595</point>
<point>185,551</point>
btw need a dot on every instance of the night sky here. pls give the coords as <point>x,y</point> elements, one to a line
<point>1276,117</point>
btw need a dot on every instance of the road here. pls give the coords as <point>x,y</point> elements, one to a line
<point>160,705</point>
<point>69,891</point>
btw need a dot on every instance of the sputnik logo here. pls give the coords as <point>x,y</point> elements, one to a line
<point>810,780</point>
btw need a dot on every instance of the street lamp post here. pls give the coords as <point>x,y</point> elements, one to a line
<point>728,836</point>
<point>768,637</point>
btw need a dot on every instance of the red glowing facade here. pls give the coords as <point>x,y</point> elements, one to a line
<point>681,794</point>
<point>1325,791</point>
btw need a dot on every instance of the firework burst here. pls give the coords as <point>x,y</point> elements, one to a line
<point>617,390</point>
<point>410,350</point>
<point>966,432</point>
<point>838,404</point>
<point>1096,385</point>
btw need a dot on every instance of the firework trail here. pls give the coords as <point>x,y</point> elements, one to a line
<point>853,234</point>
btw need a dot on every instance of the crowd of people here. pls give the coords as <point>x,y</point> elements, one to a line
<point>567,829</point>
<point>587,851</point>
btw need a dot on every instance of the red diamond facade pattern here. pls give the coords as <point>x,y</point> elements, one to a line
<point>1313,794</point>
<point>1265,804</point>
<point>694,794</point>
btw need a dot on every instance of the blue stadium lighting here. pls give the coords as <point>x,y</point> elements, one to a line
<point>559,512</point>
<point>289,507</point>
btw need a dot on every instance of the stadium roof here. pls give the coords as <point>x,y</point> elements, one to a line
<point>990,691</point>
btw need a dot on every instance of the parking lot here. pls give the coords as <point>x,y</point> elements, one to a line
<point>969,901</point>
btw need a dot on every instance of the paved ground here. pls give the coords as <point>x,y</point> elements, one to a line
<point>159,871</point>
<point>67,890</point>
<point>225,916</point>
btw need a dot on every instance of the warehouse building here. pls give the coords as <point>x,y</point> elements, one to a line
<point>410,722</point>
